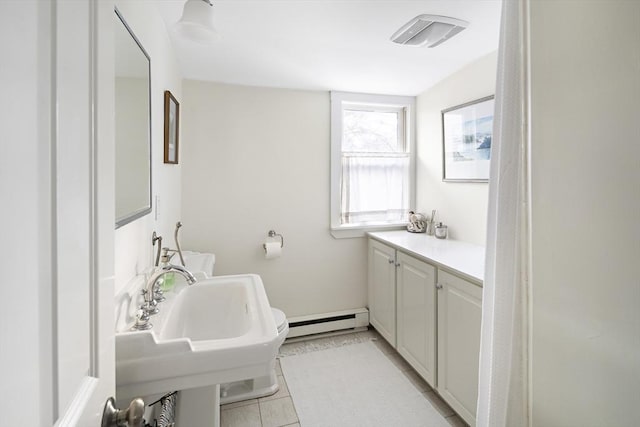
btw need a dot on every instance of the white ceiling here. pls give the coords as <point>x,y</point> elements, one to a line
<point>330,44</point>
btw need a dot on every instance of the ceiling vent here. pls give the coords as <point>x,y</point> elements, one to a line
<point>429,30</point>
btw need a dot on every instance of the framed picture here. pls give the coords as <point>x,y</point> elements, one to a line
<point>467,131</point>
<point>171,122</point>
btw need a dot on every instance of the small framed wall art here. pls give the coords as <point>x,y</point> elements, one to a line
<point>171,129</point>
<point>467,131</point>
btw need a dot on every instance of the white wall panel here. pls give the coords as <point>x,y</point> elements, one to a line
<point>462,206</point>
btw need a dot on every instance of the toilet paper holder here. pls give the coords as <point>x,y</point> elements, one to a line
<point>272,233</point>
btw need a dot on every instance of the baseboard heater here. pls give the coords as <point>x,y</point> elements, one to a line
<point>357,319</point>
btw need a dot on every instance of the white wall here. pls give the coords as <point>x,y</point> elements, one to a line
<point>462,206</point>
<point>133,241</point>
<point>258,159</point>
<point>585,76</point>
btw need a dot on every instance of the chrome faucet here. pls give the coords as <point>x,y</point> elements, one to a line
<point>150,305</point>
<point>169,268</point>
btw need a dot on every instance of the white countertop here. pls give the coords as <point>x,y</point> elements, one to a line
<point>460,257</point>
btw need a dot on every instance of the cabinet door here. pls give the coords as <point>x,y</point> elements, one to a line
<point>459,316</point>
<point>416,285</point>
<point>382,289</point>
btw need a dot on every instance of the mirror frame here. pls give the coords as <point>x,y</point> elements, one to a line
<point>147,209</point>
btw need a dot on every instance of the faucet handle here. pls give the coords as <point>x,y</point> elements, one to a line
<point>142,312</point>
<point>158,295</point>
<point>150,306</point>
<point>150,298</point>
<point>142,321</point>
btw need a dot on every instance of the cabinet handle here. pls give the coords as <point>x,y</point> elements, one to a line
<point>391,261</point>
<point>438,286</point>
<point>397,264</point>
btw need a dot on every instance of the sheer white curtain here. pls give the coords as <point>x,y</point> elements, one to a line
<point>503,382</point>
<point>374,188</point>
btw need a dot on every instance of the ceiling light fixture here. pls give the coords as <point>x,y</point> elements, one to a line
<point>196,23</point>
<point>428,30</point>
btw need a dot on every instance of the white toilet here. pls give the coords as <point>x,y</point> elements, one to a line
<point>257,387</point>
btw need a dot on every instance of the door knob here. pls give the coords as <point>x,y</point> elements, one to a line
<point>130,417</point>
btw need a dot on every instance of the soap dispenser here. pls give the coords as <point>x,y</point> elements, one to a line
<point>168,280</point>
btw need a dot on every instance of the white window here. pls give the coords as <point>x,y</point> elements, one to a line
<point>372,162</point>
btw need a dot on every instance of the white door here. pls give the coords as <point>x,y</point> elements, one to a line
<point>382,289</point>
<point>416,284</point>
<point>57,342</point>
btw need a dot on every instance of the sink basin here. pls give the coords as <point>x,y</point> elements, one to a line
<point>204,313</point>
<point>218,330</point>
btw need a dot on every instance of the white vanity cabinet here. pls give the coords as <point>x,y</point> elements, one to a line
<point>382,289</point>
<point>425,299</point>
<point>402,305</point>
<point>459,317</point>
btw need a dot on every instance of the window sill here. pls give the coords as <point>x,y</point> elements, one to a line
<point>353,231</point>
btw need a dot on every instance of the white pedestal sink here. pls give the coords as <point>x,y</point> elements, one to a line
<point>216,331</point>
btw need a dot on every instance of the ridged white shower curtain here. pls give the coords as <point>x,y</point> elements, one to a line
<point>503,381</point>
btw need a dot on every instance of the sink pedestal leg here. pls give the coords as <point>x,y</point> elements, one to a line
<point>199,406</point>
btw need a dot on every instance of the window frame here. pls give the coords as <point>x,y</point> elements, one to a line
<point>378,103</point>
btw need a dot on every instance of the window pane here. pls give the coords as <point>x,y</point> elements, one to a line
<point>374,189</point>
<point>370,131</point>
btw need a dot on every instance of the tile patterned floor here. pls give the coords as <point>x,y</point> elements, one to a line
<point>278,410</point>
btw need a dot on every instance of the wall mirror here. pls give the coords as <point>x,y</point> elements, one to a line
<point>132,124</point>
